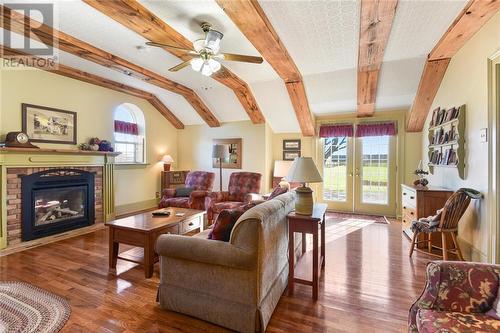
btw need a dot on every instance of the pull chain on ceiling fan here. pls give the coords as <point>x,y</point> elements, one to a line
<point>205,56</point>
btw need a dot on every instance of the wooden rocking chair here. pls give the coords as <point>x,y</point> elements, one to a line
<point>454,208</point>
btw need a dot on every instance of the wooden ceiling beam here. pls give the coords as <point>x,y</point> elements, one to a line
<point>77,74</point>
<point>427,88</point>
<point>254,24</point>
<point>14,21</point>
<point>470,20</point>
<point>139,19</point>
<point>377,17</point>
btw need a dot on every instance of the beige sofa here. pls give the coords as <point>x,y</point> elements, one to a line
<point>235,284</point>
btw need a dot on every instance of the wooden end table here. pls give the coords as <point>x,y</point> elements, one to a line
<point>306,224</point>
<point>142,230</point>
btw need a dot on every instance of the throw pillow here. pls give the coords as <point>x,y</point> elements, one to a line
<point>277,191</point>
<point>495,309</point>
<point>224,224</point>
<point>183,191</point>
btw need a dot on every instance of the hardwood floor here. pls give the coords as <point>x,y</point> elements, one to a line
<point>368,285</point>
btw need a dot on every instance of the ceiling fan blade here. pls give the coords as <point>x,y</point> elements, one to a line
<point>241,57</point>
<point>180,66</point>
<point>174,48</point>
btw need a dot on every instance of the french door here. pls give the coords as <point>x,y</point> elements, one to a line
<point>359,174</point>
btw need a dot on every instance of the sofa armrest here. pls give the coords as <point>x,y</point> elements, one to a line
<point>199,194</point>
<point>204,251</point>
<point>169,193</point>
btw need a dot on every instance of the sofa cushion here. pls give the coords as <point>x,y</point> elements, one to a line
<point>181,192</point>
<point>495,309</point>
<point>224,224</point>
<point>438,321</point>
<point>277,191</point>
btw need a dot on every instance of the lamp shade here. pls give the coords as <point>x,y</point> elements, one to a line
<point>304,170</point>
<point>220,151</point>
<point>167,159</point>
<point>281,168</point>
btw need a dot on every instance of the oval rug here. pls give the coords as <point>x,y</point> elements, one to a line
<point>27,308</point>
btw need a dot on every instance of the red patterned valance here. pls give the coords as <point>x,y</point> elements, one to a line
<point>332,131</point>
<point>376,129</point>
<point>126,128</point>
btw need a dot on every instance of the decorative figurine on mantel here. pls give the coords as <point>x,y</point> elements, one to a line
<point>95,144</point>
<point>421,173</point>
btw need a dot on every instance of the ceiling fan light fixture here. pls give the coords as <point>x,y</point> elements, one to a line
<point>196,64</point>
<point>206,70</point>
<point>214,65</point>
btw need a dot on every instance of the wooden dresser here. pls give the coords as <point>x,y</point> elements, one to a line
<point>421,202</point>
<point>173,179</point>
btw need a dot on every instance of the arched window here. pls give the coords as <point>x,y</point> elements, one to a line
<point>129,134</point>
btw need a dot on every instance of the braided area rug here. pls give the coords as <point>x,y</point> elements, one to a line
<point>27,308</point>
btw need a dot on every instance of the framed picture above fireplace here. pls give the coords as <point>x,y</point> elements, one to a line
<point>51,125</point>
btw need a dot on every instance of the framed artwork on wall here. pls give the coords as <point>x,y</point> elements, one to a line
<point>291,144</point>
<point>235,153</point>
<point>290,155</point>
<point>51,125</point>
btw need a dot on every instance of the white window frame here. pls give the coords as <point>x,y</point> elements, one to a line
<point>139,143</point>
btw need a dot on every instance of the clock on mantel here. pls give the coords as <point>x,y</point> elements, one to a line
<point>18,140</point>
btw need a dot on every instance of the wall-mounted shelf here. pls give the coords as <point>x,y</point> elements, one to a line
<point>447,140</point>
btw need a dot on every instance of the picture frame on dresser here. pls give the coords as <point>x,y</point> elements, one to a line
<point>49,125</point>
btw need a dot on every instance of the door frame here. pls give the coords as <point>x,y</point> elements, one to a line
<point>398,116</point>
<point>493,155</point>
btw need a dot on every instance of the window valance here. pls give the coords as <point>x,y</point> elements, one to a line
<point>376,129</point>
<point>126,127</point>
<point>331,131</point>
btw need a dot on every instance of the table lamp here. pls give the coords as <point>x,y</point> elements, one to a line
<point>281,169</point>
<point>167,161</point>
<point>304,170</point>
<point>220,152</point>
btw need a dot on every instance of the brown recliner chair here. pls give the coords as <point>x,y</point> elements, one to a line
<point>201,181</point>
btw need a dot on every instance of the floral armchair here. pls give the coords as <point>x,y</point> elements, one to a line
<point>202,183</point>
<point>242,189</point>
<point>456,298</point>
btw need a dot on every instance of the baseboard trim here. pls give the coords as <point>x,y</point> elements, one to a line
<point>470,252</point>
<point>136,207</point>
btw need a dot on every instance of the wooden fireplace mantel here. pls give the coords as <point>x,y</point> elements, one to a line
<point>42,158</point>
<point>56,151</point>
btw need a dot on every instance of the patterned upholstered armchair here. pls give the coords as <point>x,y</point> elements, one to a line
<point>242,189</point>
<point>201,181</point>
<point>456,298</point>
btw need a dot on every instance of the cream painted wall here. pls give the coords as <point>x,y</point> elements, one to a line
<point>195,149</point>
<point>466,82</point>
<point>94,106</point>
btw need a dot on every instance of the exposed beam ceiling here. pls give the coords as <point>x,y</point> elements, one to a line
<point>139,19</point>
<point>475,14</point>
<point>77,74</point>
<point>253,23</point>
<point>15,21</point>
<point>375,27</point>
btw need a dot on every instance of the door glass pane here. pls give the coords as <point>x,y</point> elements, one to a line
<point>375,170</point>
<point>335,169</point>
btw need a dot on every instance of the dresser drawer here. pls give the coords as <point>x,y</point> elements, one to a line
<point>409,197</point>
<point>409,212</point>
<point>190,225</point>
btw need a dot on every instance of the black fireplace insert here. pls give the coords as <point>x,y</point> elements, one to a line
<point>55,201</point>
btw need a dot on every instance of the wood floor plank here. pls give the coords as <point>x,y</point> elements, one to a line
<point>368,285</point>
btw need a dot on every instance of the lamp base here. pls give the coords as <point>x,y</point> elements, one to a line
<point>304,204</point>
<point>166,167</point>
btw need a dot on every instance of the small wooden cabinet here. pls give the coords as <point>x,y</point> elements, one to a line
<point>421,202</point>
<point>173,179</point>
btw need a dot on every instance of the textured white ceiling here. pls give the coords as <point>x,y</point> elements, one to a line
<point>418,26</point>
<point>320,35</point>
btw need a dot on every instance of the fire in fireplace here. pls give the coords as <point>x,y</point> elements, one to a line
<point>56,201</point>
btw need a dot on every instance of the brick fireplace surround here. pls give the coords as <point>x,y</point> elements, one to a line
<point>14,197</point>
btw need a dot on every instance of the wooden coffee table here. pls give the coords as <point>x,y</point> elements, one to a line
<point>142,230</point>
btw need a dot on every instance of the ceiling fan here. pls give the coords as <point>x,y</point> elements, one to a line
<point>205,56</point>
